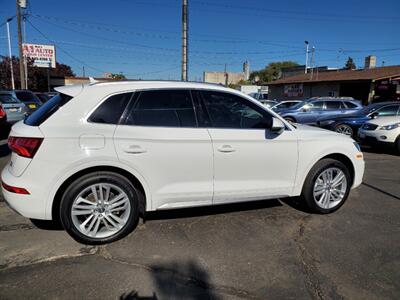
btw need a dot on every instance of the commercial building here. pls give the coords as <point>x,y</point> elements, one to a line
<point>370,84</point>
<point>227,78</point>
<point>61,81</point>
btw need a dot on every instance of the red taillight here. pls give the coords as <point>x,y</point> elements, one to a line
<point>25,147</point>
<point>2,112</point>
<point>15,190</point>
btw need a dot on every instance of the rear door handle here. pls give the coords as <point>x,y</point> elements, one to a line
<point>134,149</point>
<point>226,149</point>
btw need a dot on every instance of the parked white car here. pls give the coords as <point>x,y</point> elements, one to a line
<point>382,130</point>
<point>99,156</point>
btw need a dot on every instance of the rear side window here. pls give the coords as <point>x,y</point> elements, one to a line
<point>350,105</point>
<point>164,108</point>
<point>334,105</point>
<point>111,110</point>
<point>47,110</point>
<point>317,105</point>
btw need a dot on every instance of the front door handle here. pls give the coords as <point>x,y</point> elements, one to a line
<point>226,149</point>
<point>134,149</point>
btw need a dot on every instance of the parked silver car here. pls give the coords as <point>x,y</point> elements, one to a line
<point>15,109</point>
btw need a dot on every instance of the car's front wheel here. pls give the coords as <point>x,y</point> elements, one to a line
<point>100,208</point>
<point>327,186</point>
<point>397,144</point>
<point>344,129</point>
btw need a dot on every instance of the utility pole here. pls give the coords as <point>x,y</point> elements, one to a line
<point>184,40</point>
<point>21,57</point>
<point>305,69</point>
<point>25,57</point>
<point>83,71</point>
<point>9,53</point>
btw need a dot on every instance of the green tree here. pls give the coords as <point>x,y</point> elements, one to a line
<point>37,77</point>
<point>271,72</point>
<point>350,65</point>
<point>119,76</point>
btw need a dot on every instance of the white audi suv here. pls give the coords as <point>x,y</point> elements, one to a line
<point>99,156</point>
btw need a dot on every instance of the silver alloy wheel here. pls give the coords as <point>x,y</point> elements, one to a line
<point>100,210</point>
<point>330,188</point>
<point>344,129</point>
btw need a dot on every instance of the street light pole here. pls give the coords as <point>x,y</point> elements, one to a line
<point>9,53</point>
<point>305,69</point>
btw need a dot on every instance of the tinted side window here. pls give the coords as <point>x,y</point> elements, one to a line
<point>333,105</point>
<point>110,111</point>
<point>231,111</point>
<point>317,105</point>
<point>390,110</point>
<point>167,108</point>
<point>350,105</point>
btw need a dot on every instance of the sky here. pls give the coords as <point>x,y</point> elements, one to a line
<point>142,38</point>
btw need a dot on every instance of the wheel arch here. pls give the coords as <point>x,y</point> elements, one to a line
<point>343,158</point>
<point>290,117</point>
<point>55,209</point>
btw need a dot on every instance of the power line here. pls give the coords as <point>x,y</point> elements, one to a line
<point>64,51</point>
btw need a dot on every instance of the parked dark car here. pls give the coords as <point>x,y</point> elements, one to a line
<point>311,110</point>
<point>31,101</point>
<point>350,124</point>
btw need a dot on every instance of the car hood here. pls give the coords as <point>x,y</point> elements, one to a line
<point>306,132</point>
<point>383,121</point>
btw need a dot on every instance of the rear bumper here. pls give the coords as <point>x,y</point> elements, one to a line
<point>30,206</point>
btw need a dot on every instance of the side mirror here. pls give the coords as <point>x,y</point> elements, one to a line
<point>374,115</point>
<point>277,126</point>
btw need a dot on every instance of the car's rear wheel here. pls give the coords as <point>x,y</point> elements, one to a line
<point>344,129</point>
<point>327,186</point>
<point>100,208</point>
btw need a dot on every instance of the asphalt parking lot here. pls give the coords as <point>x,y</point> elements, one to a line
<point>263,250</point>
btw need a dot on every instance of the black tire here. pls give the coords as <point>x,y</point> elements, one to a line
<point>397,145</point>
<point>308,187</point>
<point>85,181</point>
<point>290,119</point>
<point>339,128</point>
